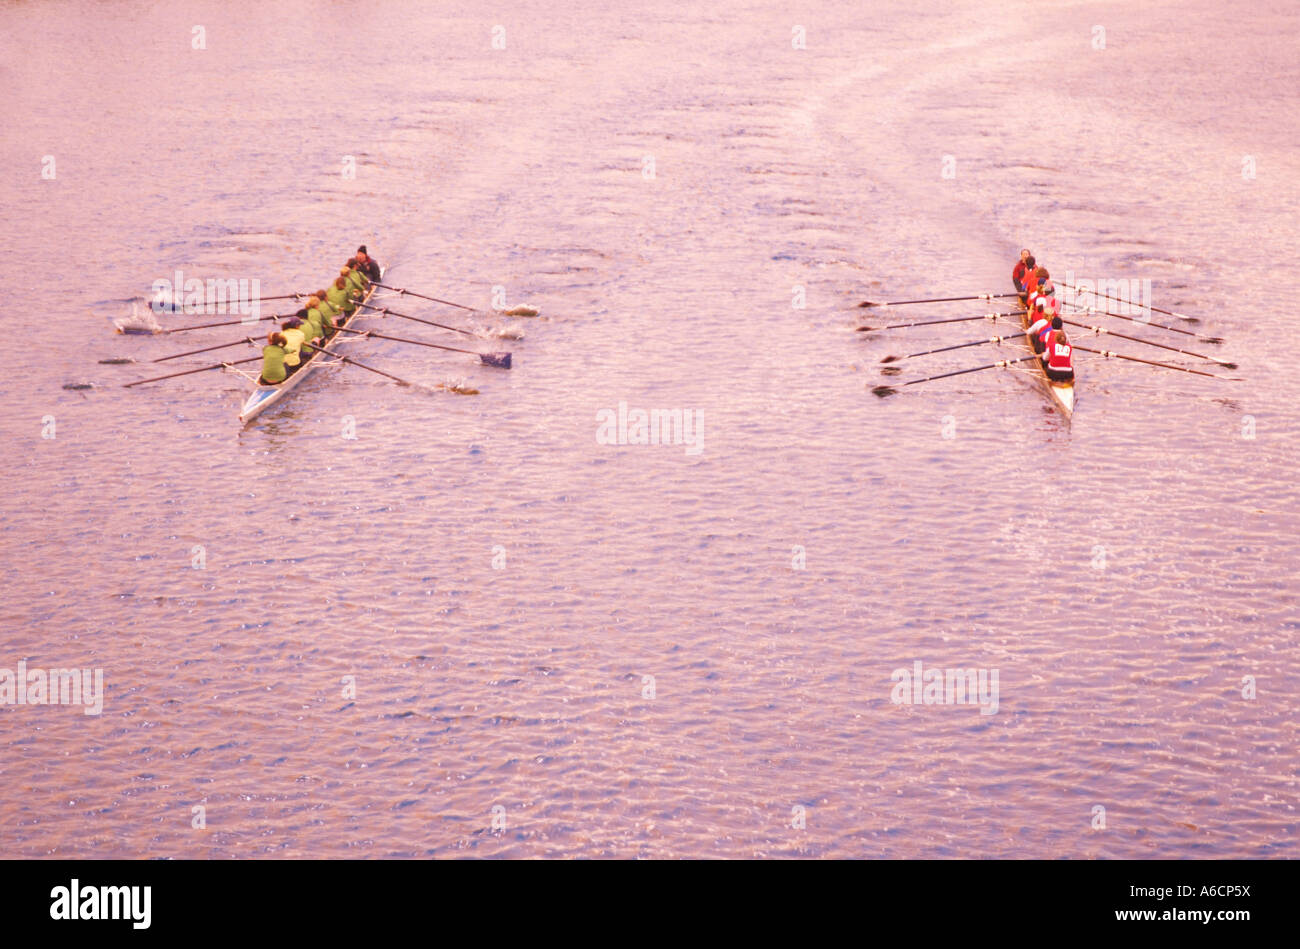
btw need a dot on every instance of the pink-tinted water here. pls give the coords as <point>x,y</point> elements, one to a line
<point>611,643</point>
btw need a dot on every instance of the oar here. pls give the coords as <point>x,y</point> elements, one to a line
<point>1160,326</point>
<point>1174,349</point>
<point>944,349</point>
<point>978,296</point>
<point>205,349</point>
<point>883,391</point>
<point>204,326</point>
<point>956,319</point>
<point>1155,309</point>
<point>513,311</point>
<point>459,390</point>
<point>1164,365</point>
<point>140,382</point>
<point>405,316</point>
<point>173,306</point>
<point>496,360</point>
<point>361,365</point>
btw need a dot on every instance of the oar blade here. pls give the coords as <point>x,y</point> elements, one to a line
<point>496,360</point>
<point>883,391</point>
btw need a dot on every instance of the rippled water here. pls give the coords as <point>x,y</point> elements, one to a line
<point>610,643</point>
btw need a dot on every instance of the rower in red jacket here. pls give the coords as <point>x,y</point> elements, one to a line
<point>1025,262</point>
<point>1058,354</point>
<point>1031,282</point>
<point>1032,278</point>
<point>1046,290</point>
<point>1040,323</point>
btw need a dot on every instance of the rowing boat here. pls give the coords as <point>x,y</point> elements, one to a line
<point>263,397</point>
<point>1061,393</point>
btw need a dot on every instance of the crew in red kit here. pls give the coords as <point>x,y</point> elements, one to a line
<point>1031,280</point>
<point>1025,262</point>
<point>1045,291</point>
<point>1058,354</point>
<point>1040,322</point>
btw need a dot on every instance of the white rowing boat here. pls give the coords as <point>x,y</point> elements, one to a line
<point>263,397</point>
<point>1061,393</point>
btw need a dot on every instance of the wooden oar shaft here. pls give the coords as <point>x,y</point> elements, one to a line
<point>205,349</point>
<point>399,291</point>
<point>498,360</point>
<point>407,316</point>
<point>955,319</point>
<point>204,326</point>
<point>189,372</point>
<point>978,296</point>
<point>1154,309</point>
<point>1132,319</point>
<point>1101,330</point>
<point>1150,362</point>
<point>944,349</point>
<point>361,365</point>
<point>1001,364</point>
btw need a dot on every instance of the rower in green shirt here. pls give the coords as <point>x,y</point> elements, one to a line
<point>325,306</point>
<point>323,314</point>
<point>311,328</point>
<point>273,354</point>
<point>359,281</point>
<point>339,295</point>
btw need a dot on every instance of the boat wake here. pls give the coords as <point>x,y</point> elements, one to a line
<point>459,386</point>
<point>139,321</point>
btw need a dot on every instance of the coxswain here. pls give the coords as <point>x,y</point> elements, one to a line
<point>1018,274</point>
<point>1057,354</point>
<point>369,266</point>
<point>273,355</point>
<point>294,337</point>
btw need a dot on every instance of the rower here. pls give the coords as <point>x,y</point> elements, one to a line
<point>1018,274</point>
<point>1046,295</point>
<point>310,325</point>
<point>1031,282</point>
<point>322,313</point>
<point>369,266</point>
<point>360,282</point>
<point>1042,283</point>
<point>325,306</point>
<point>294,336</point>
<point>339,294</point>
<point>273,356</point>
<point>1042,322</point>
<point>1057,354</point>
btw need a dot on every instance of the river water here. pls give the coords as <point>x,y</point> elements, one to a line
<point>474,627</point>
